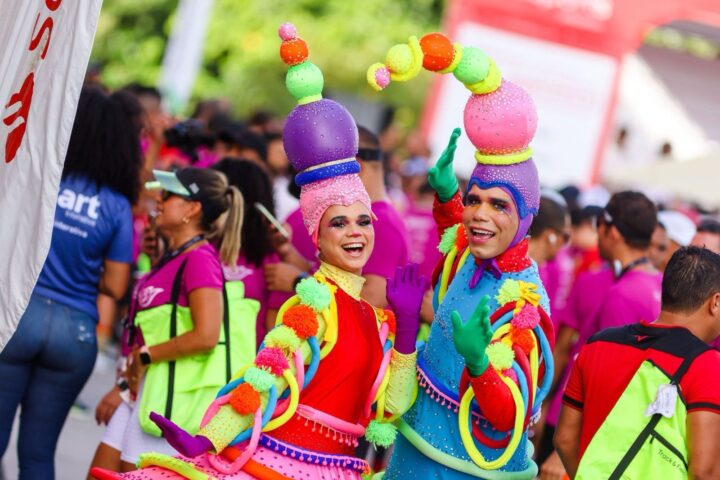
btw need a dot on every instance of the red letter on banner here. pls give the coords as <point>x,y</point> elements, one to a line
<point>46,25</point>
<point>53,4</point>
<point>24,97</point>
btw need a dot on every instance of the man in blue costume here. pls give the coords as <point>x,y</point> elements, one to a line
<point>487,364</point>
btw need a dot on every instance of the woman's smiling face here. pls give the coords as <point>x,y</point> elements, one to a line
<point>491,221</point>
<point>346,237</point>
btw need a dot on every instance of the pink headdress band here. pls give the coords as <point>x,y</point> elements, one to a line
<point>317,197</point>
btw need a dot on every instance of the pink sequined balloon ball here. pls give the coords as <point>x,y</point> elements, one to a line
<point>501,122</point>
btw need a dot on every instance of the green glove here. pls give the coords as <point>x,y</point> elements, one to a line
<point>473,337</point>
<point>442,176</point>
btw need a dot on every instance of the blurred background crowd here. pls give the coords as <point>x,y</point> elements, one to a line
<point>659,136</point>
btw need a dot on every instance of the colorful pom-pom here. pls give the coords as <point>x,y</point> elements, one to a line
<point>287,31</point>
<point>260,379</point>
<point>462,239</point>
<point>399,59</point>
<point>283,337</point>
<point>524,339</point>
<point>244,399</point>
<point>302,319</point>
<point>273,360</point>
<point>448,239</point>
<point>509,292</point>
<point>294,51</point>
<point>305,82</point>
<point>528,317</point>
<point>381,434</point>
<point>500,355</point>
<point>438,51</point>
<point>473,67</point>
<point>314,294</point>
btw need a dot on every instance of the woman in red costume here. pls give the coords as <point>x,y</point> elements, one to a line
<point>297,411</point>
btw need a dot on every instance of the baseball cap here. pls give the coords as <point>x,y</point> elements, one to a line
<point>195,184</point>
<point>679,227</point>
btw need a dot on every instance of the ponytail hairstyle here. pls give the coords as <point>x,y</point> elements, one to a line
<point>254,183</point>
<point>229,224</point>
<point>222,209</point>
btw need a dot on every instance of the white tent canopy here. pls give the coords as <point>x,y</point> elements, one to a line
<point>696,180</point>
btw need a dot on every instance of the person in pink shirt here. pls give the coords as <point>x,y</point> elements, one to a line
<point>177,312</point>
<point>256,250</point>
<point>300,240</point>
<point>708,236</point>
<point>422,231</point>
<point>390,232</point>
<point>549,233</point>
<point>627,292</point>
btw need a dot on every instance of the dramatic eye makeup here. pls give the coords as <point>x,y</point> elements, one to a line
<point>342,221</point>
<point>500,205</point>
<point>338,222</point>
<point>471,199</point>
<point>364,220</point>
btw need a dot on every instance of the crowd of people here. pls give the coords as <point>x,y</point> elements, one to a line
<point>261,277</point>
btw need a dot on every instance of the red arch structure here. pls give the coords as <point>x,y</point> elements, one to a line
<point>604,29</point>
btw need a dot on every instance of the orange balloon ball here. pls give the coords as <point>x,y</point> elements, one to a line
<point>294,51</point>
<point>438,51</point>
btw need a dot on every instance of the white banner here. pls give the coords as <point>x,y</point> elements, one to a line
<point>184,52</point>
<point>44,50</point>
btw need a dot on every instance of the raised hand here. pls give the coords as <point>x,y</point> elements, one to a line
<point>405,295</point>
<point>442,176</point>
<point>472,337</point>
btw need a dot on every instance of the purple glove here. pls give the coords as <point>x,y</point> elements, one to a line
<point>405,295</point>
<point>186,444</point>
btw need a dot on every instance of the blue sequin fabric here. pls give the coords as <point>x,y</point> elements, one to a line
<point>432,420</point>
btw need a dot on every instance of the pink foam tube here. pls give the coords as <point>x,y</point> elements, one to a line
<point>378,381</point>
<point>213,409</point>
<point>331,421</point>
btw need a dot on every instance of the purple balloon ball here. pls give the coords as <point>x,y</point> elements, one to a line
<point>319,132</point>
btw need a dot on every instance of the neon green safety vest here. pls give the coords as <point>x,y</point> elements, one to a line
<point>629,445</point>
<point>182,389</point>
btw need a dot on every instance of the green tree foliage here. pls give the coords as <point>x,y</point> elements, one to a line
<point>241,58</point>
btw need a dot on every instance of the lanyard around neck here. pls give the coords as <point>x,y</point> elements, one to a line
<point>182,248</point>
<point>630,266</point>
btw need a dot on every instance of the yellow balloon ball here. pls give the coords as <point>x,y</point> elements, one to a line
<point>399,59</point>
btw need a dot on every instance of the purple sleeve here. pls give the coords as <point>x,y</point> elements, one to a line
<point>202,270</point>
<point>121,246</point>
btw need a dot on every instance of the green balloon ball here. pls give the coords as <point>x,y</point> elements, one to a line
<point>474,66</point>
<point>304,80</point>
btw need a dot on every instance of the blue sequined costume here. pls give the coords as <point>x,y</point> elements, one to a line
<point>440,367</point>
